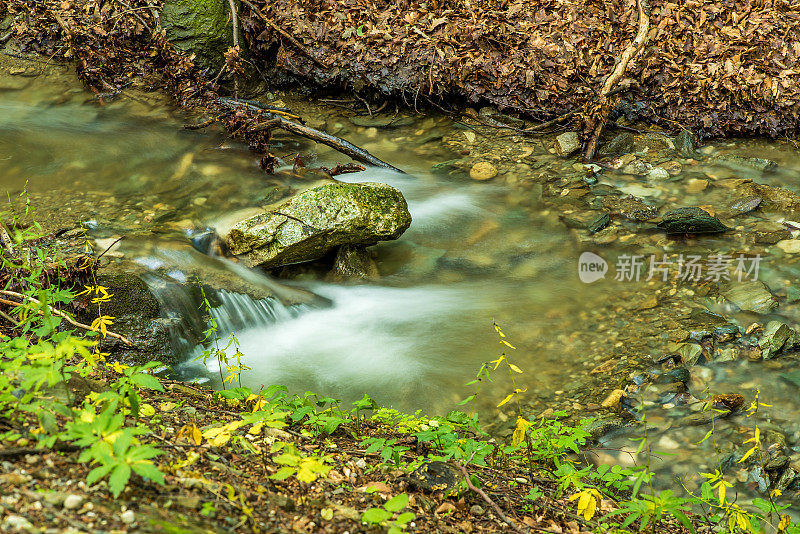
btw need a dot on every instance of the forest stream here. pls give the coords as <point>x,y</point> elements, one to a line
<point>477,252</point>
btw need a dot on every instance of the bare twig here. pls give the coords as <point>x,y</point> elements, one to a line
<point>235,20</point>
<point>61,314</point>
<point>633,50</point>
<point>109,247</point>
<point>488,500</point>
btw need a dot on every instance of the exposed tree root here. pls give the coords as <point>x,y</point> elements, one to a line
<point>606,102</point>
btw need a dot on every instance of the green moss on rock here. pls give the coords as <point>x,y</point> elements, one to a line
<point>200,27</point>
<point>313,222</point>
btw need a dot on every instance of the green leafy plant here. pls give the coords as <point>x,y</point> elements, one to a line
<point>388,514</point>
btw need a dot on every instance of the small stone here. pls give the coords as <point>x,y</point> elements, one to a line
<point>657,173</point>
<point>477,510</point>
<point>674,168</point>
<point>567,143</point>
<point>16,522</point>
<point>695,186</point>
<point>483,170</point>
<point>789,246</point>
<point>637,168</point>
<point>691,220</point>
<point>127,517</point>
<point>73,502</point>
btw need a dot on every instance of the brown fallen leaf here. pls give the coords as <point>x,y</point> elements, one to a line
<point>446,508</point>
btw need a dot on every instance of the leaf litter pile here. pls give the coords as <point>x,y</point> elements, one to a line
<point>717,68</point>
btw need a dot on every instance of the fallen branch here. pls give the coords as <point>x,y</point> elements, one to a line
<point>343,168</point>
<point>345,147</point>
<point>297,44</point>
<point>61,314</point>
<point>14,452</point>
<point>633,50</point>
<point>488,500</point>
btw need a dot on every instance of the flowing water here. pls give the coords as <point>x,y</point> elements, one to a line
<point>476,252</point>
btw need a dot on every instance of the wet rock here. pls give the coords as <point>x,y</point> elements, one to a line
<point>637,167</point>
<point>621,144</point>
<point>658,173</point>
<point>630,207</point>
<point>728,401</point>
<point>773,198</point>
<point>674,168</point>
<point>684,144</point>
<point>567,143</point>
<point>679,374</point>
<point>759,164</point>
<point>591,221</point>
<point>435,476</point>
<point>137,316</point>
<point>726,333</point>
<point>752,296</point>
<point>777,463</point>
<point>199,27</point>
<point>704,418</point>
<point>788,480</point>
<point>690,353</point>
<point>775,335</point>
<point>483,170</point>
<point>790,246</point>
<point>604,425</point>
<point>316,220</point>
<point>746,205</point>
<point>695,186</point>
<point>690,220</point>
<point>353,262</point>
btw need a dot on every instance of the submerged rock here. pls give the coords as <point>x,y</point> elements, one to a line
<point>483,170</point>
<point>315,221</point>
<point>752,296</point>
<point>632,208</point>
<point>775,336</point>
<point>759,164</point>
<point>621,144</point>
<point>773,198</point>
<point>691,221</point>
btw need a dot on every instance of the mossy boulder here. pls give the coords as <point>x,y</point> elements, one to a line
<point>200,27</point>
<point>313,222</point>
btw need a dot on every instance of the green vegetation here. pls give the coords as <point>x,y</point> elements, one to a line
<point>114,427</point>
